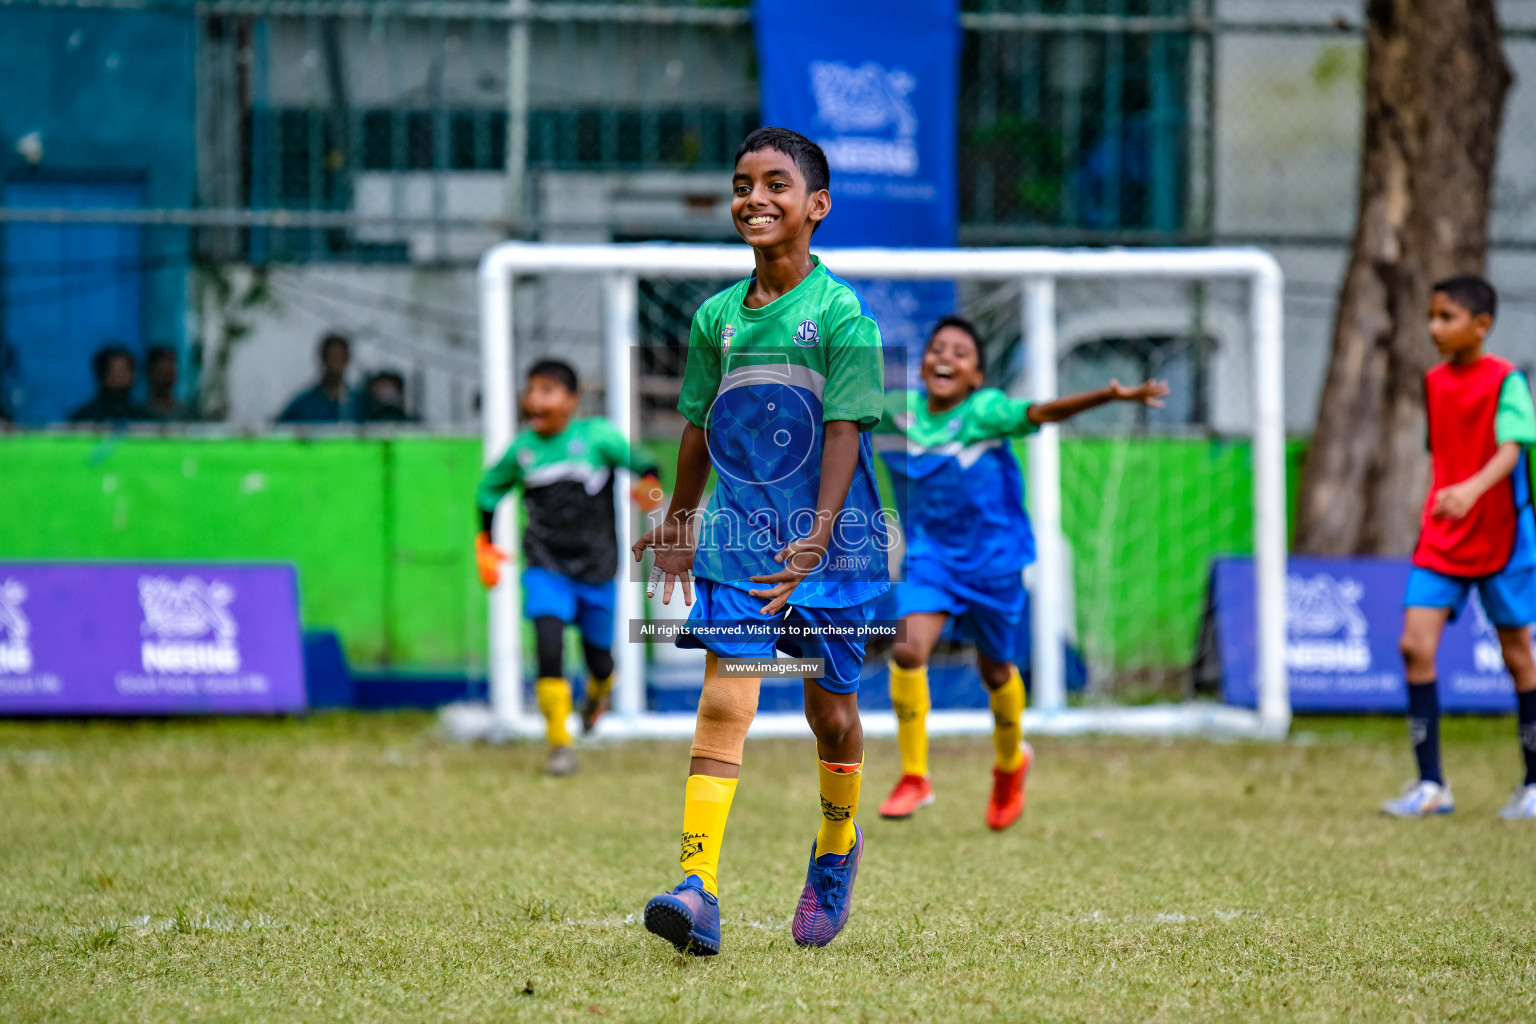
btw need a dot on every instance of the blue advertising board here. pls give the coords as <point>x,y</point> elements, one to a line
<point>876,85</point>
<point>153,639</point>
<point>1343,620</point>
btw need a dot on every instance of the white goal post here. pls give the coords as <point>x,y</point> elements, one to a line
<point>620,266</point>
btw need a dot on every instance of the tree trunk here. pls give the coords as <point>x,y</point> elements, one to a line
<point>1434,98</point>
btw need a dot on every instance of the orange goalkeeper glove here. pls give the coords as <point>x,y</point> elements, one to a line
<point>488,559</point>
<point>647,494</point>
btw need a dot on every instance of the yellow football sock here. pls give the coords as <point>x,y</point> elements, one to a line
<point>597,689</point>
<point>839,803</point>
<point>909,699</point>
<point>1008,722</point>
<point>554,695</point>
<point>706,805</point>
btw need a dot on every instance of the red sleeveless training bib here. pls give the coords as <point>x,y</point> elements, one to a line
<point>1462,403</point>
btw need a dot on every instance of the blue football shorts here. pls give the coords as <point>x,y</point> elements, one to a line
<point>587,606</point>
<point>989,611</point>
<point>720,604</point>
<point>1509,596</point>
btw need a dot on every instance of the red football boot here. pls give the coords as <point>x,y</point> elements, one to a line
<point>1007,801</point>
<point>911,792</point>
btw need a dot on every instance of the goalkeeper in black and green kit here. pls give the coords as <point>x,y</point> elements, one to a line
<point>570,550</point>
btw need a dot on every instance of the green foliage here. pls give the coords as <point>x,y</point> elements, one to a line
<point>351,867</point>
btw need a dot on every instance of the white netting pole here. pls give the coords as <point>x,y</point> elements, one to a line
<point>1269,534</point>
<point>1049,598</point>
<point>497,418</point>
<point>621,336</point>
<point>1037,268</point>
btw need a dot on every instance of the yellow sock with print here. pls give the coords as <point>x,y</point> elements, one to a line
<point>909,699</point>
<point>839,803</point>
<point>706,805</point>
<point>1008,722</point>
<point>554,696</point>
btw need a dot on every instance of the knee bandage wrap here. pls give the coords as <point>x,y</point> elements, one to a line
<point>726,710</point>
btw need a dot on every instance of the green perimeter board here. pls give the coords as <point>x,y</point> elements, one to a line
<point>322,505</point>
<point>380,529</point>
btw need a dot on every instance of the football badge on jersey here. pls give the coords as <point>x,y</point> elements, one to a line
<point>805,334</point>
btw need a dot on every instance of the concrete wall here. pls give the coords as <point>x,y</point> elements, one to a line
<point>401,64</point>
<point>1286,134</point>
<point>419,320</point>
<point>1289,113</point>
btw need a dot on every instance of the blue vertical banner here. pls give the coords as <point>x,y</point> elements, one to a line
<point>876,85</point>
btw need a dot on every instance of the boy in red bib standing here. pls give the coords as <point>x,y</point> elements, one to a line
<point>1478,530</point>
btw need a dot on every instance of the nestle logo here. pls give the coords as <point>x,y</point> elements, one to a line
<point>1326,626</point>
<point>187,626</point>
<point>15,652</point>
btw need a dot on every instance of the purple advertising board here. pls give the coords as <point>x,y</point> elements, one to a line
<point>1343,619</point>
<point>149,639</point>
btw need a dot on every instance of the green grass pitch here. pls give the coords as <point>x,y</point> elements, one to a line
<point>356,868</point>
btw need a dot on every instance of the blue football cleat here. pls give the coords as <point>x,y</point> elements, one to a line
<point>1420,800</point>
<point>688,917</point>
<point>828,893</point>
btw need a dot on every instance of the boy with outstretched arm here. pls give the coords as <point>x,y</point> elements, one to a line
<point>1476,530</point>
<point>570,549</point>
<point>968,542</point>
<point>782,385</point>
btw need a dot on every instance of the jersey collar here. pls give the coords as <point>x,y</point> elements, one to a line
<point>778,305</point>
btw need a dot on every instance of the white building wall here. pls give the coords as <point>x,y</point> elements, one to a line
<point>392,63</point>
<point>419,321</point>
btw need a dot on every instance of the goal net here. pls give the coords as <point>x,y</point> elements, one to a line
<point>1129,504</point>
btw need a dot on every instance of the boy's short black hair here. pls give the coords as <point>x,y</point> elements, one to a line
<point>556,370</point>
<point>955,320</point>
<point>159,352</point>
<point>1471,292</point>
<point>104,356</point>
<point>808,157</point>
<point>334,339</point>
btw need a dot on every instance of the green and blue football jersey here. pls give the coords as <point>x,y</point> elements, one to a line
<point>963,487</point>
<point>567,483</point>
<point>761,383</point>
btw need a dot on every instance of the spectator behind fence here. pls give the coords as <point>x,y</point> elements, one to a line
<point>114,370</point>
<point>329,401</point>
<point>161,369</point>
<point>383,399</point>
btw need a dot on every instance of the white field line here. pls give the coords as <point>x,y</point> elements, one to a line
<point>147,924</point>
<point>633,919</point>
<point>1167,917</point>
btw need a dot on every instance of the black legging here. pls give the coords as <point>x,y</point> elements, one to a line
<point>551,646</point>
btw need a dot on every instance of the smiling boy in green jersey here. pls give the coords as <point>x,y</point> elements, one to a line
<point>570,549</point>
<point>783,385</point>
<point>968,542</point>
